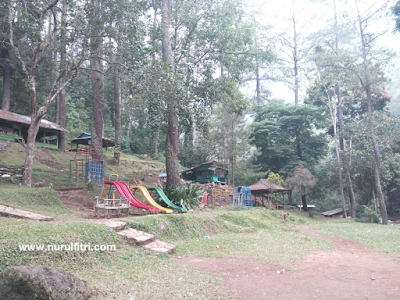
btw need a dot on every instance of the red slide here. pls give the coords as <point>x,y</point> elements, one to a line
<point>125,192</point>
<point>204,200</point>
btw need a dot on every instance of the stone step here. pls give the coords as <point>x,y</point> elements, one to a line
<point>115,225</point>
<point>140,238</point>
<point>159,246</point>
<point>18,213</point>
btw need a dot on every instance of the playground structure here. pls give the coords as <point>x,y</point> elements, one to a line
<point>146,197</point>
<point>204,200</point>
<point>116,198</point>
<point>242,197</point>
<point>159,193</point>
<point>109,203</point>
<point>86,167</point>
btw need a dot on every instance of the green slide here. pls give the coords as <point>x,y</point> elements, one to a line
<point>165,199</point>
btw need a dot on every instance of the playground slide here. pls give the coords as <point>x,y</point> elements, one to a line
<point>122,188</point>
<point>149,199</point>
<point>165,199</point>
<point>204,200</point>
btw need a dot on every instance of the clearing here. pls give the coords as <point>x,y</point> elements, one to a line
<point>349,271</point>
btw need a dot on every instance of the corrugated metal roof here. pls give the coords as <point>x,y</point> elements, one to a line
<point>85,137</point>
<point>263,185</point>
<point>216,165</point>
<point>332,212</point>
<point>16,118</point>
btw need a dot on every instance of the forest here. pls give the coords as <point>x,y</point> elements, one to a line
<point>189,81</point>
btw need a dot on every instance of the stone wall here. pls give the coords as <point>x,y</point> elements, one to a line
<point>11,174</point>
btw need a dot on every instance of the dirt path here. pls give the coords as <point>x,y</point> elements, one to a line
<point>349,271</point>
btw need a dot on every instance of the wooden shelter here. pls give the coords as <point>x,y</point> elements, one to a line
<point>263,190</point>
<point>85,138</point>
<point>333,212</point>
<point>211,171</point>
<point>14,128</point>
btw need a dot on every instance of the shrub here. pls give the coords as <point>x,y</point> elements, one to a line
<point>367,214</point>
<point>189,196</point>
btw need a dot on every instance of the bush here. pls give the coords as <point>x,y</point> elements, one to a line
<point>367,214</point>
<point>189,196</point>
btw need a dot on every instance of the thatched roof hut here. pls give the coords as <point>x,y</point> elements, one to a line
<point>263,189</point>
<point>266,187</point>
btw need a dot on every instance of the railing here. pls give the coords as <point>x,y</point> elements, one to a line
<point>45,145</point>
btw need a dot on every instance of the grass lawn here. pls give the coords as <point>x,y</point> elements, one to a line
<point>130,271</point>
<point>38,200</point>
<point>384,238</point>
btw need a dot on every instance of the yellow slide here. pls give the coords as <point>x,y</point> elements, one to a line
<point>145,193</point>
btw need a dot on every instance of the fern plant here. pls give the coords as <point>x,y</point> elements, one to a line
<point>189,196</point>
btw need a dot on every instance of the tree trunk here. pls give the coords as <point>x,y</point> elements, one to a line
<point>172,140</point>
<point>61,104</point>
<point>155,125</point>
<point>304,199</point>
<point>117,113</point>
<point>295,58</point>
<point>333,112</point>
<point>154,142</point>
<point>171,150</point>
<point>188,141</point>
<point>258,85</point>
<point>30,149</point>
<point>341,140</point>
<point>97,79</point>
<point>258,89</point>
<point>339,114</point>
<point>371,124</point>
<point>5,104</point>
<point>232,154</point>
<point>352,200</point>
<point>225,145</point>
<point>340,173</point>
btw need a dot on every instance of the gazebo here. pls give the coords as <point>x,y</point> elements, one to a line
<point>263,189</point>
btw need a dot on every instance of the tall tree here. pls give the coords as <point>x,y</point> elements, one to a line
<point>5,57</point>
<point>61,102</point>
<point>172,140</point>
<point>40,45</point>
<point>117,111</point>
<point>97,76</point>
<point>365,81</point>
<point>396,13</point>
<point>303,181</point>
<point>285,136</point>
<point>296,45</point>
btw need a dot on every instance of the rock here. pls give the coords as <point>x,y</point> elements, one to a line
<point>41,283</point>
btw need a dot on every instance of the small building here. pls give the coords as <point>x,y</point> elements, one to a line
<point>310,207</point>
<point>85,138</point>
<point>263,191</point>
<point>333,212</point>
<point>211,171</point>
<point>14,128</point>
